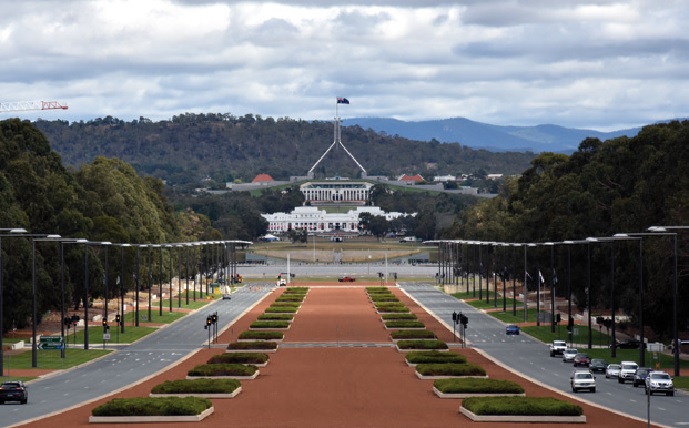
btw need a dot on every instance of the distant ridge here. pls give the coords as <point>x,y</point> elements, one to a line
<point>495,138</point>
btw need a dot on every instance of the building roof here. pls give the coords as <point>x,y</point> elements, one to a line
<point>417,178</point>
<point>260,178</point>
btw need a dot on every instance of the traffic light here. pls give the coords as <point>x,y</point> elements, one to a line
<point>464,320</point>
<point>67,321</point>
<point>454,317</point>
<point>117,319</point>
<point>214,318</point>
<point>557,319</point>
<point>105,322</point>
<point>209,320</point>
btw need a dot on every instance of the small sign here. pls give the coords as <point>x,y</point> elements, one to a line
<point>106,336</point>
<point>50,342</point>
<point>576,331</point>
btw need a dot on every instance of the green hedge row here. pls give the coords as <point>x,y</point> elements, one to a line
<point>269,324</point>
<point>434,357</point>
<point>404,324</point>
<point>422,344</point>
<point>252,345</point>
<point>412,334</point>
<point>280,310</point>
<point>197,386</point>
<point>477,386</point>
<point>293,298</point>
<point>275,317</point>
<point>222,370</point>
<point>296,290</point>
<point>450,369</point>
<point>148,406</point>
<point>387,317</point>
<point>393,310</point>
<point>261,335</point>
<point>286,304</point>
<point>520,406</point>
<point>238,358</point>
<point>376,298</point>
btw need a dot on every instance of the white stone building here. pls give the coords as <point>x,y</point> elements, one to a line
<point>314,219</point>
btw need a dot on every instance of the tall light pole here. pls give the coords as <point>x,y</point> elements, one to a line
<point>62,287</point>
<point>11,231</point>
<point>552,286</point>
<point>34,297</point>
<point>160,279</point>
<point>569,288</point>
<point>122,277</point>
<point>675,332</point>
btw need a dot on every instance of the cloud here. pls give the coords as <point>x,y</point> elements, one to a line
<point>595,64</point>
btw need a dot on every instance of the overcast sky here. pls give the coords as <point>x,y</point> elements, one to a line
<point>596,64</point>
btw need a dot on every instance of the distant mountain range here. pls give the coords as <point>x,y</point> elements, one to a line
<point>494,138</point>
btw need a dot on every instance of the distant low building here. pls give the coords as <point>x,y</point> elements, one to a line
<point>262,178</point>
<point>314,219</point>
<point>444,178</point>
<point>411,179</point>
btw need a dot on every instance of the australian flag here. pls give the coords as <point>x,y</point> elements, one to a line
<point>342,101</point>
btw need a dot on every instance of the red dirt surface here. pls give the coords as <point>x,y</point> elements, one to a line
<point>352,386</point>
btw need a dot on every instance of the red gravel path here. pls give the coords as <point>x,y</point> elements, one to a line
<point>353,386</point>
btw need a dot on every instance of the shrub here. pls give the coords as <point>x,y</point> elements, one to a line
<point>434,357</point>
<point>197,386</point>
<point>269,324</point>
<point>389,305</point>
<point>450,370</point>
<point>223,370</point>
<point>280,310</point>
<point>522,406</point>
<point>286,304</point>
<point>421,344</point>
<point>384,298</point>
<point>261,335</point>
<point>412,334</point>
<point>149,406</point>
<point>404,324</point>
<point>291,298</point>
<point>252,345</point>
<point>386,317</point>
<point>377,289</point>
<point>239,358</point>
<point>394,310</point>
<point>276,317</point>
<point>477,386</point>
<point>296,290</point>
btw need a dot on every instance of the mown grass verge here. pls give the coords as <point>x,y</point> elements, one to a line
<point>520,406</point>
<point>197,386</point>
<point>388,317</point>
<point>477,386</point>
<point>275,317</point>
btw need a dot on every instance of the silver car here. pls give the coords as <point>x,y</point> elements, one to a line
<point>569,354</point>
<point>612,371</point>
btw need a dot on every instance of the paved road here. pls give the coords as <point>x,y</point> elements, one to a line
<point>130,364</point>
<point>531,358</point>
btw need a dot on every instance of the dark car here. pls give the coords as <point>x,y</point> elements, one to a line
<point>14,390</point>
<point>598,365</point>
<point>512,329</point>
<point>346,279</point>
<point>581,360</point>
<point>640,376</point>
<point>629,344</point>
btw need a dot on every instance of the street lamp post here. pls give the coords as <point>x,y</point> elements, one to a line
<point>569,288</point>
<point>160,280</point>
<point>122,277</point>
<point>552,286</point>
<point>34,298</point>
<point>11,231</point>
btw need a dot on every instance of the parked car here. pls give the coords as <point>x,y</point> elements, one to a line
<point>659,381</point>
<point>512,329</point>
<point>640,376</point>
<point>598,365</point>
<point>581,360</point>
<point>629,344</point>
<point>346,279</point>
<point>613,370</point>
<point>582,379</point>
<point>14,390</point>
<point>627,371</point>
<point>569,354</point>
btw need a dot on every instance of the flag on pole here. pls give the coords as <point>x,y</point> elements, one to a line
<point>540,277</point>
<point>342,100</point>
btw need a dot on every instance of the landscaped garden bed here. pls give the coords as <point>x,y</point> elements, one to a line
<point>473,387</point>
<point>250,345</point>
<point>296,290</point>
<point>433,357</point>
<point>292,298</point>
<point>392,308</point>
<point>440,371</point>
<point>521,409</point>
<point>255,358</point>
<point>390,317</point>
<point>286,304</point>
<point>261,325</point>
<point>280,310</point>
<point>147,409</point>
<point>377,290</point>
<point>228,371</point>
<point>412,334</point>
<point>251,335</point>
<point>391,298</point>
<point>412,344</point>
<point>404,324</point>
<point>206,388</point>
<point>276,317</point>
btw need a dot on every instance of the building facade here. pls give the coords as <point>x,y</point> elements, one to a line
<point>313,219</point>
<point>336,192</point>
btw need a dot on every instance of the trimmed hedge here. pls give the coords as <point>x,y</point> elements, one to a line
<point>393,310</point>
<point>252,345</point>
<point>286,304</point>
<point>387,317</point>
<point>197,386</point>
<point>222,370</point>
<point>412,334</point>
<point>280,310</point>
<point>404,324</point>
<point>450,369</point>
<point>375,298</point>
<point>434,357</point>
<point>389,305</point>
<point>296,290</point>
<point>477,386</point>
<point>262,335</point>
<point>520,406</point>
<point>291,298</point>
<point>269,324</point>
<point>239,358</point>
<point>275,317</point>
<point>148,406</point>
<point>422,344</point>
<point>377,289</point>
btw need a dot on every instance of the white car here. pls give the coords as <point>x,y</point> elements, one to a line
<point>613,370</point>
<point>569,354</point>
<point>627,371</point>
<point>582,379</point>
<point>659,381</point>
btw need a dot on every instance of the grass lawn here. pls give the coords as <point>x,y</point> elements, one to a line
<point>167,317</point>
<point>130,335</point>
<point>50,358</point>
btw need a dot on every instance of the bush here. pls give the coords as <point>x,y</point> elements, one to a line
<point>296,290</point>
<point>421,344</point>
<point>477,386</point>
<point>450,370</point>
<point>239,358</point>
<point>521,406</point>
<point>280,310</point>
<point>377,290</point>
<point>387,317</point>
<point>389,305</point>
<point>261,335</point>
<point>434,357</point>
<point>149,406</point>
<point>276,317</point>
<point>384,298</point>
<point>197,386</point>
<point>292,298</point>
<point>223,370</point>
<point>252,345</point>
<point>404,324</point>
<point>286,304</point>
<point>412,334</point>
<point>269,324</point>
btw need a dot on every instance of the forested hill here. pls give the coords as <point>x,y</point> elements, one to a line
<point>191,147</point>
